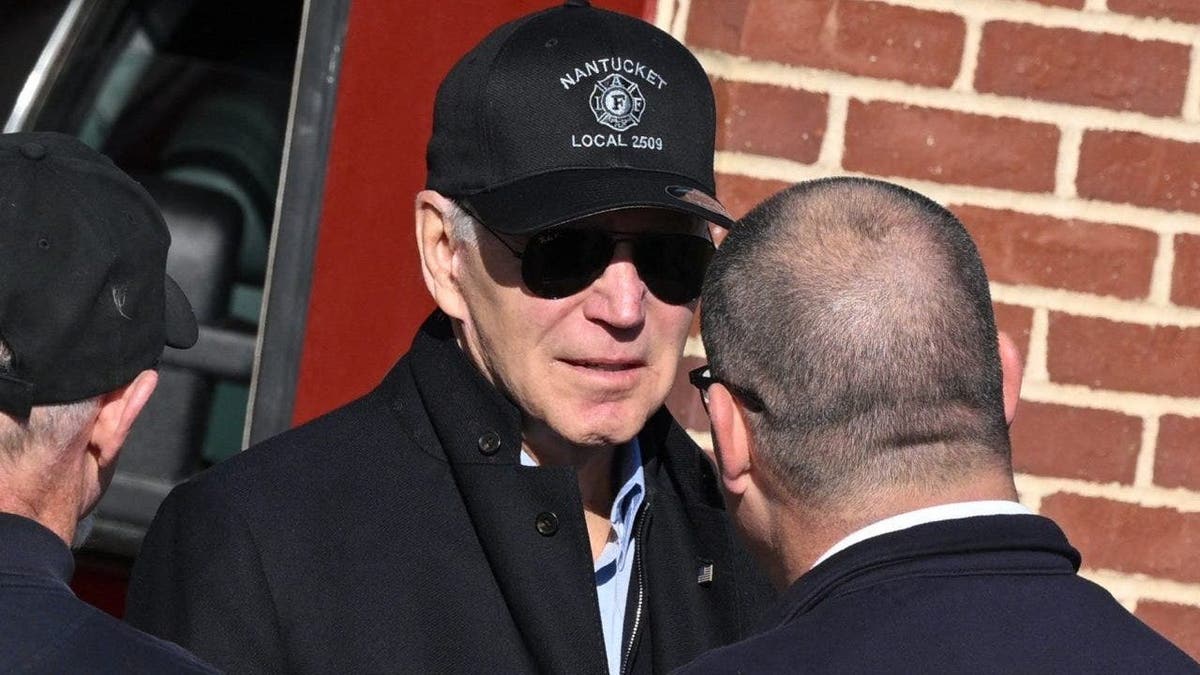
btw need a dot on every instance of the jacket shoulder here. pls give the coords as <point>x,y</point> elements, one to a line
<point>97,640</point>
<point>369,431</point>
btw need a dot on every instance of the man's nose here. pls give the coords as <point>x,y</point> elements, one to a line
<point>618,296</point>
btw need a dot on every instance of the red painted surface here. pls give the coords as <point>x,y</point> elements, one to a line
<point>367,294</point>
<point>101,582</point>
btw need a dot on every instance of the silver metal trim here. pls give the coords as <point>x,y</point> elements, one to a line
<point>298,210</point>
<point>49,63</point>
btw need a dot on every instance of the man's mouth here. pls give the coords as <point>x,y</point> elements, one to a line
<point>606,365</point>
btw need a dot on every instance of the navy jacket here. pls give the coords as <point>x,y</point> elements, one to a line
<point>44,628</point>
<point>401,534</point>
<point>989,594</point>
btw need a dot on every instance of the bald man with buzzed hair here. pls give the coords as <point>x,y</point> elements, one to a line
<point>860,398</point>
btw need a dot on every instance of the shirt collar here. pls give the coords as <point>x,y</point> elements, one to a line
<point>631,492</point>
<point>632,479</point>
<point>929,514</point>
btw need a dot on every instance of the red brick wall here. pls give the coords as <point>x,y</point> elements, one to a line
<point>1066,135</point>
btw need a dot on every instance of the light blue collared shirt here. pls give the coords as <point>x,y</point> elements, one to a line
<point>614,567</point>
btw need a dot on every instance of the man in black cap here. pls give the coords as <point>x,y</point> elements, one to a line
<point>513,497</point>
<point>85,309</point>
<point>860,398</point>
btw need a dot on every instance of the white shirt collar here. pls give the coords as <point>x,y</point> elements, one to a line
<point>929,514</point>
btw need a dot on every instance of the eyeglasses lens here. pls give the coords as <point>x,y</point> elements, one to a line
<point>559,263</point>
<point>672,265</point>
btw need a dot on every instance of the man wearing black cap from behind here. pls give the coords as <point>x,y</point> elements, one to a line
<point>513,497</point>
<point>85,309</point>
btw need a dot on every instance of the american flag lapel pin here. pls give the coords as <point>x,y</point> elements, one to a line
<point>705,576</point>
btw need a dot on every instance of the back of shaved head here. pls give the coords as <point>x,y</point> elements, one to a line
<point>858,312</point>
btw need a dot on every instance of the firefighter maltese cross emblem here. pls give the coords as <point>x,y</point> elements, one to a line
<point>617,103</point>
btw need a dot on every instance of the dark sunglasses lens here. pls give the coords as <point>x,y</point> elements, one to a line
<point>673,265</point>
<point>560,263</point>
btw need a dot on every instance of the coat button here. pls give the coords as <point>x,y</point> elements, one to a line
<point>546,523</point>
<point>489,443</point>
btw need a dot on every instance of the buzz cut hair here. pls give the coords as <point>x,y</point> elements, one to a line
<point>858,311</point>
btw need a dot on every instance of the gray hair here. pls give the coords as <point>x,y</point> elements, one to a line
<point>859,313</point>
<point>463,227</point>
<point>48,426</point>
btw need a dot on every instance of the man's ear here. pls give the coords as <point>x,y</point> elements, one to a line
<point>731,440</point>
<point>1012,370</point>
<point>437,251</point>
<point>717,233</point>
<point>118,410</point>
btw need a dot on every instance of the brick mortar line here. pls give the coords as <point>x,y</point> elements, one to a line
<point>1033,502</point>
<point>1039,330</point>
<point>1084,304</point>
<point>736,68</point>
<point>1145,587</point>
<point>1095,5</point>
<point>1129,603</point>
<point>1140,28</point>
<point>1143,472</point>
<point>965,82</point>
<point>664,11</point>
<point>833,146</point>
<point>683,9</point>
<point>1034,203</point>
<point>701,438</point>
<point>1125,402</point>
<point>1066,168</point>
<point>1191,92</point>
<point>1162,271</point>
<point>1178,499</point>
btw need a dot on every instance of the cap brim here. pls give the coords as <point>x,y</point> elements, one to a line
<point>550,199</point>
<point>180,323</point>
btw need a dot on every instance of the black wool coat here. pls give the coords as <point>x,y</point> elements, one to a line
<point>400,534</point>
<point>987,594</point>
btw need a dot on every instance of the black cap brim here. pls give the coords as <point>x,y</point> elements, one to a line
<point>558,197</point>
<point>181,330</point>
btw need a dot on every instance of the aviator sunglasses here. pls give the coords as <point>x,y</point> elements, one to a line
<point>560,262</point>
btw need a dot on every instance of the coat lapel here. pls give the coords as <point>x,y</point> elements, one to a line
<point>529,520</point>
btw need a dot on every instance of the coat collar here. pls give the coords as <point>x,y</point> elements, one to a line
<point>474,423</point>
<point>29,548</point>
<point>944,542</point>
<point>545,576</point>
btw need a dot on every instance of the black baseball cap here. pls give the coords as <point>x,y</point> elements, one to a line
<point>85,301</point>
<point>570,112</point>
